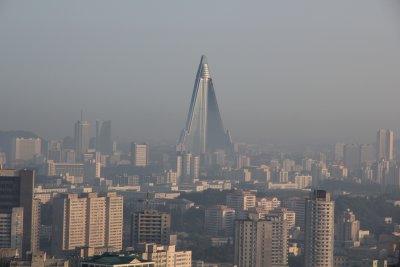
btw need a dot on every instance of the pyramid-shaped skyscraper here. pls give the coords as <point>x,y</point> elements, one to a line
<point>204,131</point>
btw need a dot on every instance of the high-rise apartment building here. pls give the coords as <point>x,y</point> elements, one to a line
<point>261,243</point>
<point>17,207</point>
<point>114,220</point>
<point>285,214</point>
<point>187,167</point>
<point>164,256</point>
<point>392,176</point>
<point>352,160</point>
<point>268,204</point>
<point>288,165</point>
<point>261,173</point>
<point>339,150</point>
<point>366,154</point>
<point>307,164</point>
<point>179,167</point>
<point>303,181</point>
<point>204,131</point>
<point>68,156</point>
<point>279,238</point>
<point>219,220</point>
<point>217,158</point>
<point>240,201</point>
<point>89,219</point>
<point>348,228</point>
<point>319,230</point>
<point>253,243</point>
<point>11,229</point>
<point>104,143</point>
<point>242,161</point>
<point>150,226</point>
<point>170,177</point>
<point>25,148</point>
<point>382,171</point>
<point>296,204</point>
<point>140,154</point>
<point>54,150</point>
<point>384,144</point>
<point>92,170</point>
<point>81,137</point>
<point>319,172</point>
<point>283,176</point>
<point>195,167</point>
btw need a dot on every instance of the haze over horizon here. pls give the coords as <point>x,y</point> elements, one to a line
<point>299,72</point>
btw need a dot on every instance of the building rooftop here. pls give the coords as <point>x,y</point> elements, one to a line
<point>115,259</point>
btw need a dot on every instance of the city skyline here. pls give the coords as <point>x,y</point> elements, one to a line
<point>263,93</point>
<point>285,152</point>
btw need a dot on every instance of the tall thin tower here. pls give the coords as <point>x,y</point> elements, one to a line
<point>81,136</point>
<point>384,145</point>
<point>103,137</point>
<point>204,131</point>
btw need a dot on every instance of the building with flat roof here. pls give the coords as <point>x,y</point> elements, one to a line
<point>319,230</point>
<point>25,148</point>
<point>104,142</point>
<point>81,140</point>
<point>39,259</point>
<point>117,260</point>
<point>384,145</point>
<point>140,154</point>
<point>59,169</point>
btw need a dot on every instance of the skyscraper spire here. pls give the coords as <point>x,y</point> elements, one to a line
<point>204,131</point>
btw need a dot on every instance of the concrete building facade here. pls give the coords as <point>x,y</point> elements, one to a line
<point>219,220</point>
<point>319,230</point>
<point>87,220</point>
<point>150,226</point>
<point>261,242</point>
<point>17,204</point>
<point>164,256</point>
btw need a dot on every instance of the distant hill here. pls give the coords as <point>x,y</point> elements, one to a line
<point>6,138</point>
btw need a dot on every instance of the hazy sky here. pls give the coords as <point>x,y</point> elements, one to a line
<point>284,71</point>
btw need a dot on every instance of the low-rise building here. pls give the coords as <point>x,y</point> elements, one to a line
<point>117,260</point>
<point>164,256</point>
<point>39,259</point>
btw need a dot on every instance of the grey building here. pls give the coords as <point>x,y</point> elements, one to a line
<point>204,131</point>
<point>319,230</point>
<point>16,205</point>
<point>150,226</point>
<point>81,137</point>
<point>384,145</point>
<point>261,243</point>
<point>104,143</point>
